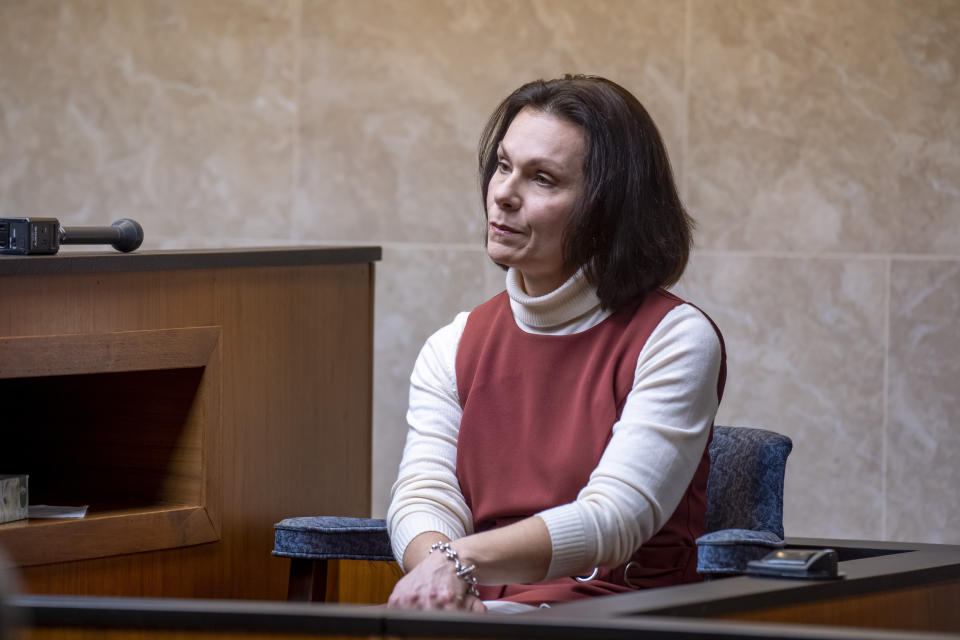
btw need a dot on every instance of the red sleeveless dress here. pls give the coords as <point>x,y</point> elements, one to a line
<point>538,412</point>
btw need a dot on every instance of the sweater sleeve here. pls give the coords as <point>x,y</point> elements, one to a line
<point>653,452</point>
<point>426,495</point>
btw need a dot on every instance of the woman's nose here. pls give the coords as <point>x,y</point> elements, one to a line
<point>505,194</point>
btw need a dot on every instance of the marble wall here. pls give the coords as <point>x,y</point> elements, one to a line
<point>817,144</point>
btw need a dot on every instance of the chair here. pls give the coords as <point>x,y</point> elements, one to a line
<point>744,518</point>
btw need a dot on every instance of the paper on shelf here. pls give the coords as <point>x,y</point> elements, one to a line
<point>49,511</point>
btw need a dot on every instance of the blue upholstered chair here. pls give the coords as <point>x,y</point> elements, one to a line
<point>744,517</point>
<point>744,499</point>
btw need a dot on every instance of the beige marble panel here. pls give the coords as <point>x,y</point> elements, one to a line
<point>495,278</point>
<point>395,94</point>
<point>179,114</point>
<point>805,347</point>
<point>819,125</point>
<point>419,290</point>
<point>923,403</point>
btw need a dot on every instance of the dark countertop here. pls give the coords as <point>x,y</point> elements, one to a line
<point>68,262</point>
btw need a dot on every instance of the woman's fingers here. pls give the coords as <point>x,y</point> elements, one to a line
<point>475,604</point>
<point>403,598</point>
<point>428,599</point>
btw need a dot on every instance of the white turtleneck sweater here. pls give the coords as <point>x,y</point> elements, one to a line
<point>653,452</point>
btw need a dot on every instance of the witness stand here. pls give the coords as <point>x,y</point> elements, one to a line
<point>890,590</point>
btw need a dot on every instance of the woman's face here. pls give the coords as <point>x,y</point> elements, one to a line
<point>531,194</point>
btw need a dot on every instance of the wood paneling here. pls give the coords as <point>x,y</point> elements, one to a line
<point>925,608</point>
<point>361,581</point>
<point>280,419</point>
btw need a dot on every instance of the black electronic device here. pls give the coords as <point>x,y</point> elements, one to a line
<point>812,564</point>
<point>29,236</point>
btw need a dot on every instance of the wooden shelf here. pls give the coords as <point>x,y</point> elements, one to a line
<point>106,533</point>
<point>121,351</point>
<point>125,418</point>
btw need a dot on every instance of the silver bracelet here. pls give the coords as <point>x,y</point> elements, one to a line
<point>467,574</point>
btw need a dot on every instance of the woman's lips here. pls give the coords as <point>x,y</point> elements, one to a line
<point>502,228</point>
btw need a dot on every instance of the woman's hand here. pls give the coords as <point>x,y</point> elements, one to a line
<point>433,584</point>
<point>519,552</point>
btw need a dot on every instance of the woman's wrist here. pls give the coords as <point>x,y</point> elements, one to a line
<point>516,553</point>
<point>465,572</point>
<point>419,548</point>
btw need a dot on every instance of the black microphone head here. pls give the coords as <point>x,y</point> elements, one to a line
<point>130,235</point>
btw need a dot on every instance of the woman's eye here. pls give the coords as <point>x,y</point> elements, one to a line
<point>503,167</point>
<point>543,180</point>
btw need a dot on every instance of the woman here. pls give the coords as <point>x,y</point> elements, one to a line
<point>558,432</point>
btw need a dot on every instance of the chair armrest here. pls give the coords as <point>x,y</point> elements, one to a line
<point>727,552</point>
<point>330,537</point>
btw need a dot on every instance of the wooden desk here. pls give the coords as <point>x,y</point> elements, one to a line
<point>887,585</point>
<point>192,399</point>
<point>880,576</point>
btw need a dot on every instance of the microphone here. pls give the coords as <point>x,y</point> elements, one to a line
<point>124,235</point>
<point>30,236</point>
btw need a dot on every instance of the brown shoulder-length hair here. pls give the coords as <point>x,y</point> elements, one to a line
<point>628,230</point>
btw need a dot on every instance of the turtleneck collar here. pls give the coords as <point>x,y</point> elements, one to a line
<point>571,300</point>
